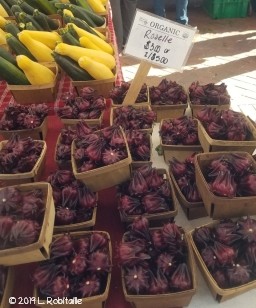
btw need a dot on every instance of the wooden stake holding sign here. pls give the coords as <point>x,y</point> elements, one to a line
<point>156,40</point>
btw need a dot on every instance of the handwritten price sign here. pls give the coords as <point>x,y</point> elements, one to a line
<point>159,41</point>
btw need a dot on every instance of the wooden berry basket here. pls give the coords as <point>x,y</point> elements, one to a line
<point>26,177</point>
<point>37,133</point>
<point>89,122</point>
<point>169,111</point>
<point>218,293</point>
<point>157,220</point>
<point>39,250</point>
<point>146,103</point>
<point>93,301</point>
<point>8,289</point>
<point>222,207</point>
<point>169,300</point>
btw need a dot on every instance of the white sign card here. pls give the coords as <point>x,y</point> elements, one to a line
<point>159,40</point>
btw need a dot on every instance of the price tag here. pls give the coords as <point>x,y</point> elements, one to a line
<point>159,40</point>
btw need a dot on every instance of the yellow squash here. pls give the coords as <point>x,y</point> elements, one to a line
<point>36,73</point>
<point>85,42</point>
<point>95,39</point>
<point>3,22</point>
<point>97,70</point>
<point>3,12</point>
<point>97,6</point>
<point>2,37</point>
<point>50,39</point>
<point>75,52</point>
<point>39,50</point>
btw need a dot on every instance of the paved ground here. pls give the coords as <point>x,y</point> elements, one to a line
<point>224,51</point>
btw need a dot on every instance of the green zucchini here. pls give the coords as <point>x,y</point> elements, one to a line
<point>17,47</point>
<point>27,8</point>
<point>11,2</point>
<point>30,26</point>
<point>68,38</point>
<point>71,68</point>
<point>11,73</point>
<point>28,18</point>
<point>84,4</point>
<point>12,28</point>
<point>79,23</point>
<point>8,56</point>
<point>41,20</point>
<point>33,3</point>
<point>45,6</point>
<point>16,8</point>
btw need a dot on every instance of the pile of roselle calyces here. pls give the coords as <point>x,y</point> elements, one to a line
<point>182,130</point>
<point>224,124</point>
<point>78,267</point>
<point>99,149</point>
<point>21,216</point>
<point>67,135</point>
<point>209,94</point>
<point>17,117</point>
<point>130,117</point>
<point>139,143</point>
<point>184,174</point>
<point>3,278</point>
<point>228,249</point>
<point>155,261</point>
<point>231,175</point>
<point>167,92</point>
<point>88,105</point>
<point>147,191</point>
<point>74,202</point>
<point>19,155</point>
<point>118,93</point>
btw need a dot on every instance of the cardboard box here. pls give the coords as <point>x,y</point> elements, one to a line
<point>218,293</point>
<point>89,302</point>
<point>212,145</point>
<point>180,152</point>
<point>38,133</point>
<point>169,300</point>
<point>32,94</point>
<point>192,210</point>
<point>26,177</point>
<point>9,284</point>
<point>222,207</point>
<point>39,250</point>
<point>157,220</point>
<point>104,177</point>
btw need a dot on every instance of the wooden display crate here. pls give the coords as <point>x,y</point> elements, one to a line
<point>38,133</point>
<point>8,289</point>
<point>212,145</point>
<point>32,94</point>
<point>89,302</point>
<point>39,250</point>
<point>218,293</point>
<point>157,220</point>
<point>222,207</point>
<point>25,177</point>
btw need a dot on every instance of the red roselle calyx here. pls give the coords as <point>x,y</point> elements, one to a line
<point>61,246</point>
<point>224,254</point>
<point>137,280</point>
<point>224,185</point>
<point>99,262</point>
<point>89,286</point>
<point>25,232</point>
<point>180,279</point>
<point>238,275</point>
<point>97,241</point>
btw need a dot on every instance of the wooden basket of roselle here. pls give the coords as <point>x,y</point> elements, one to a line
<point>21,160</point>
<point>7,276</point>
<point>63,145</point>
<point>179,137</point>
<point>75,204</point>
<point>140,146</point>
<point>168,99</point>
<point>101,159</point>
<point>157,265</point>
<point>133,117</point>
<point>182,174</point>
<point>225,130</point>
<point>226,255</point>
<point>25,121</point>
<point>89,107</point>
<point>78,271</point>
<point>212,95</point>
<point>26,221</point>
<point>227,183</point>
<point>118,93</point>
<point>149,192</point>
